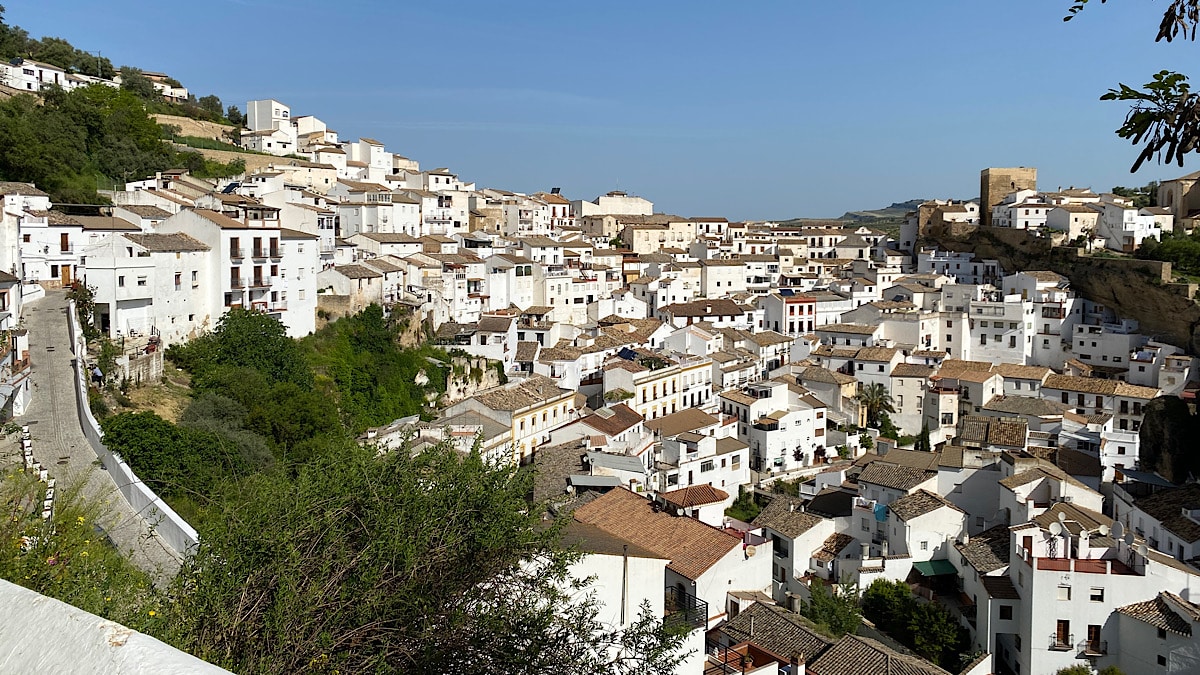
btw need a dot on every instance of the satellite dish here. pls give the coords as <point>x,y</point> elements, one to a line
<point>1062,517</point>
<point>750,551</point>
<point>1118,530</point>
<point>1056,529</point>
<point>1129,539</point>
<point>1103,529</point>
<point>1142,549</point>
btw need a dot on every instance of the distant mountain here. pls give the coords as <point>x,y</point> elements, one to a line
<point>895,211</point>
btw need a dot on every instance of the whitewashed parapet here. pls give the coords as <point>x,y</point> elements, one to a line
<point>174,530</point>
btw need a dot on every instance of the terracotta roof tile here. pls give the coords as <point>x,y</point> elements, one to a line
<point>692,546</point>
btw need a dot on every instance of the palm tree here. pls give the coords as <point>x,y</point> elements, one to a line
<point>876,399</point>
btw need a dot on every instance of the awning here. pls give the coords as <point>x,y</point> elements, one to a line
<point>935,568</point>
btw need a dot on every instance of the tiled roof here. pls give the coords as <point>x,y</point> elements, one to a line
<point>989,550</point>
<point>532,391</point>
<point>927,461</point>
<point>694,495</point>
<point>1010,432</point>
<point>1160,614</point>
<point>688,419</point>
<point>145,210</point>
<point>785,516</point>
<point>893,475</point>
<point>774,629</point>
<point>826,376</point>
<point>918,504</point>
<point>1000,587</point>
<point>692,546</point>
<point>876,354</point>
<point>1086,385</point>
<point>912,370</point>
<point>1022,372</point>
<point>1026,405</point>
<point>357,272</point>
<point>526,351</point>
<point>857,655</point>
<point>715,307</point>
<point>1167,507</point>
<point>848,329</point>
<point>955,367</point>
<point>622,417</point>
<point>1077,519</point>
<point>834,545</point>
<point>494,324</point>
<point>167,242</point>
<point>24,189</point>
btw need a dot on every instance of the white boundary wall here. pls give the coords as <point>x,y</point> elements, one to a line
<point>162,518</point>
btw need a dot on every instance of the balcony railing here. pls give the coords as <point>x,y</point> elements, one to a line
<point>237,253</point>
<point>260,253</point>
<point>260,282</point>
<point>1093,647</point>
<point>685,610</point>
<point>237,282</point>
<point>276,252</point>
<point>1062,643</point>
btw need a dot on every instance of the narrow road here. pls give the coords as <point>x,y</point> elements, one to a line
<point>59,443</point>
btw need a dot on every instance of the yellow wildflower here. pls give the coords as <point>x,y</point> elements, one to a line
<point>151,612</point>
<point>83,554</point>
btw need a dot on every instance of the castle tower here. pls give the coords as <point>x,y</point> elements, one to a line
<point>994,184</point>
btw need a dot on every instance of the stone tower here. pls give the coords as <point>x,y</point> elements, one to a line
<point>994,184</point>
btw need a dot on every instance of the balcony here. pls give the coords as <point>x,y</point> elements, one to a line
<point>684,610</point>
<point>276,252</point>
<point>237,282</point>
<point>1093,647</point>
<point>1053,313</point>
<point>1062,643</point>
<point>237,253</point>
<point>261,282</point>
<point>260,254</point>
<point>279,306</point>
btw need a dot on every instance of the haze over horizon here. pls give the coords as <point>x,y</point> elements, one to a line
<point>785,111</point>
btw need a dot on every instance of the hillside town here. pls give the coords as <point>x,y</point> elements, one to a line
<point>902,412</point>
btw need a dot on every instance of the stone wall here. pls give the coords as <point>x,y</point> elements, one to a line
<point>469,376</point>
<point>198,128</point>
<point>141,368</point>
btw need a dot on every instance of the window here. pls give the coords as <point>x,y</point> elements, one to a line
<point>1096,595</point>
<point>865,526</point>
<point>1162,635</point>
<point>978,521</point>
<point>25,238</point>
<point>178,279</point>
<point>1064,592</point>
<point>1006,612</point>
<point>706,466</point>
<point>121,281</point>
<point>924,546</point>
<point>1162,660</point>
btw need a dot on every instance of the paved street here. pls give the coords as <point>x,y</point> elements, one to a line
<point>59,443</point>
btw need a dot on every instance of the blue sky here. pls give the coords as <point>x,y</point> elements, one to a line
<point>747,110</point>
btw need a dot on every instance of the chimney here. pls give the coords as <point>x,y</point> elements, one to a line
<point>708,309</point>
<point>866,550</point>
<point>792,507</point>
<point>797,662</point>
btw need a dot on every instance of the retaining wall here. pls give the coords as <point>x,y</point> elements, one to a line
<point>169,525</point>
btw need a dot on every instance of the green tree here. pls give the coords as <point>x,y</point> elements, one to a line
<point>14,41</point>
<point>133,81</point>
<point>235,117</point>
<point>1164,116</point>
<point>416,562</point>
<point>834,609</point>
<point>212,105</point>
<point>923,443</point>
<point>887,428</point>
<point>889,604</point>
<point>935,634</point>
<point>876,399</point>
<point>1077,669</point>
<point>1141,197</point>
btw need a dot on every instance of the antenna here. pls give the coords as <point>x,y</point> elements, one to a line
<point>1129,539</point>
<point>1103,529</point>
<point>1056,529</point>
<point>1062,517</point>
<point>750,551</point>
<point>1118,529</point>
<point>1142,549</point>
